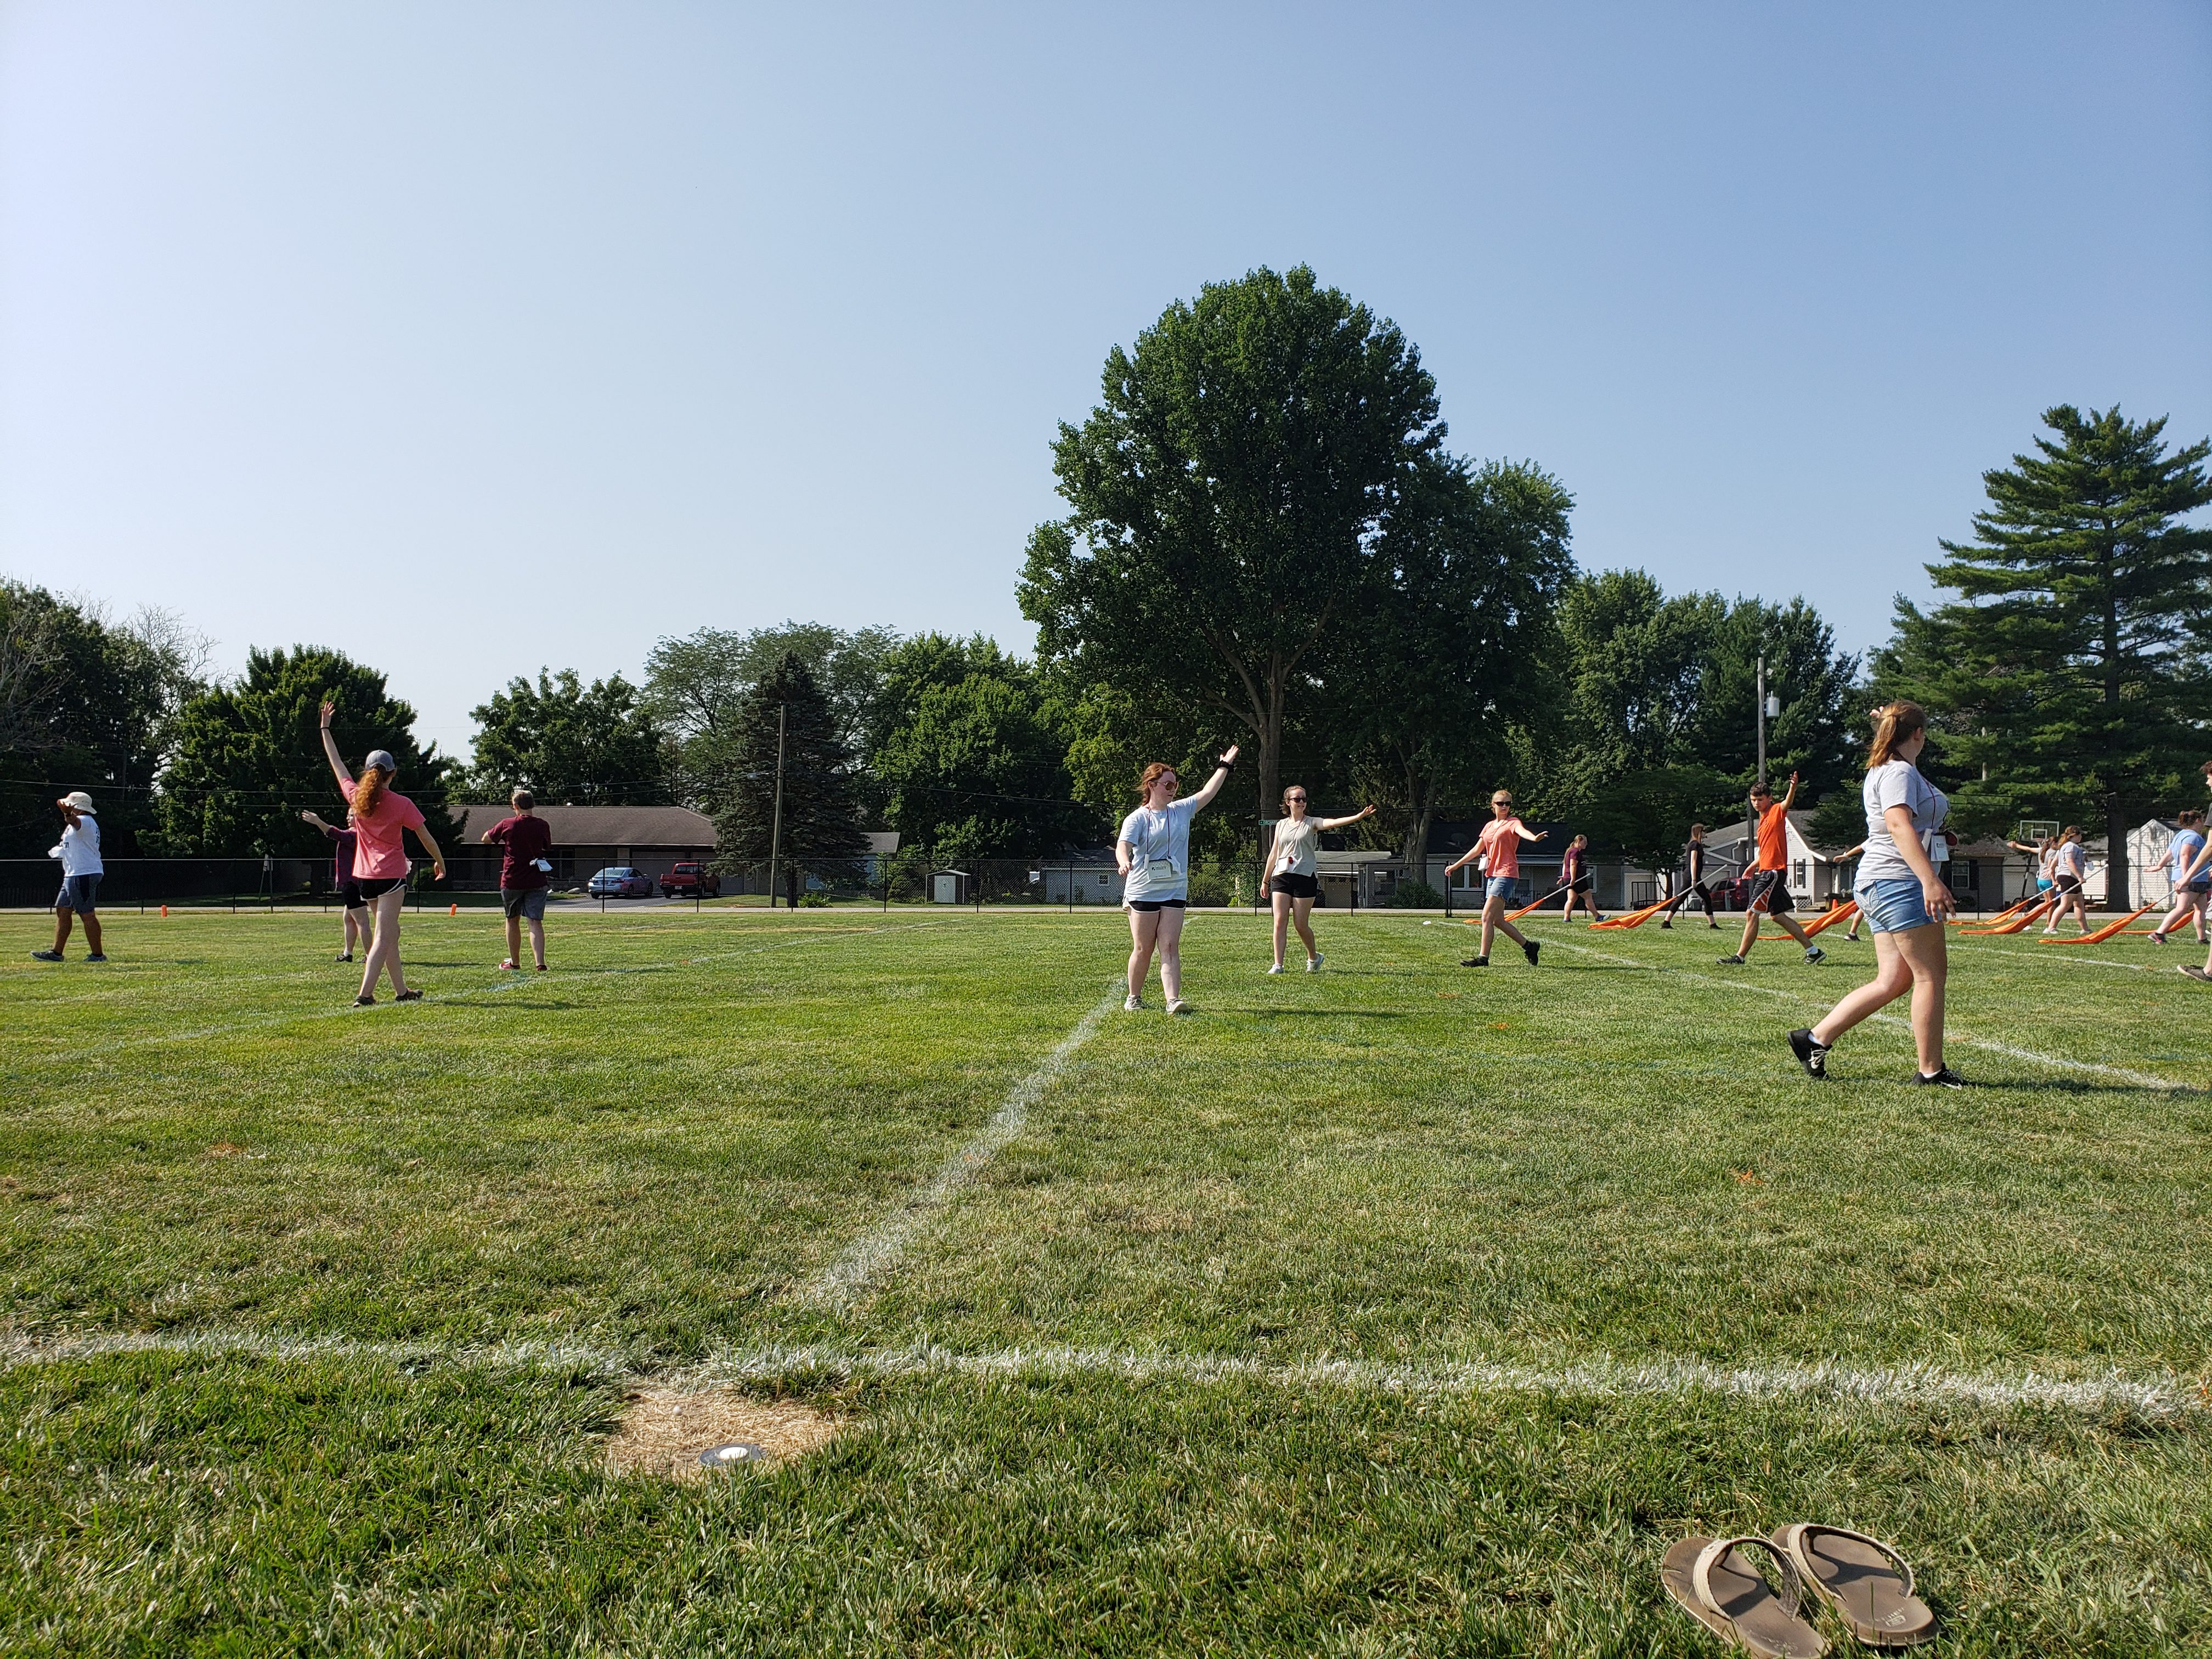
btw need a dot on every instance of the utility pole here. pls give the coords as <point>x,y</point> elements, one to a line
<point>1762,719</point>
<point>775,824</point>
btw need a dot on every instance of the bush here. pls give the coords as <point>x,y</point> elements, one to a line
<point>1415,895</point>
<point>814,900</point>
<point>1210,884</point>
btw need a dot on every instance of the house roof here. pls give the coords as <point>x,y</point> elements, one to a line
<point>603,826</point>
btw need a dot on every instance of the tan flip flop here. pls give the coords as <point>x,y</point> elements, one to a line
<point>1715,1582</point>
<point>1867,1582</point>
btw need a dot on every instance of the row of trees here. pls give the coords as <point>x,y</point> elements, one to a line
<point>1267,542</point>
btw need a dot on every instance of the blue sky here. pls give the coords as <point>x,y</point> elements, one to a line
<point>470,338</point>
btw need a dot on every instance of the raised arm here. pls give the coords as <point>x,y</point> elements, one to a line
<point>1213,784</point>
<point>316,818</point>
<point>331,749</point>
<point>1367,811</point>
<point>1790,799</point>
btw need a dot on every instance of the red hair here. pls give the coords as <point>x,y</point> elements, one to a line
<point>1152,775</point>
<point>368,789</point>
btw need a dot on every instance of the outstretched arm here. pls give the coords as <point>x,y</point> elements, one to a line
<point>1213,784</point>
<point>316,818</point>
<point>331,749</point>
<point>1526,833</point>
<point>1367,811</point>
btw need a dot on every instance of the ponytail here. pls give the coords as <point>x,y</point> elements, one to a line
<point>368,789</point>
<point>1893,723</point>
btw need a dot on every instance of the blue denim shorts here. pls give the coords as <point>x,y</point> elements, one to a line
<point>79,893</point>
<point>1894,906</point>
<point>1500,887</point>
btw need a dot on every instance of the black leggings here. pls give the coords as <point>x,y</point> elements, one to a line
<point>1702,890</point>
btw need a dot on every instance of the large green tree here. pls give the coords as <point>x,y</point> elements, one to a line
<point>972,755</point>
<point>1448,643</point>
<point>1656,722</point>
<point>821,820</point>
<point>568,744</point>
<point>86,703</point>
<point>696,686</point>
<point>2067,677</point>
<point>1226,498</point>
<point>248,755</point>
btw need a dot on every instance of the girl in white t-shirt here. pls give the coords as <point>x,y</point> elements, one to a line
<point>1292,882</point>
<point>1903,896</point>
<point>1153,854</point>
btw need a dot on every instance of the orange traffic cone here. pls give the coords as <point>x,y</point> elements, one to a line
<point>165,909</point>
<point>452,909</point>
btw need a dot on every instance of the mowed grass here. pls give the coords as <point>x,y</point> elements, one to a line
<point>398,1266</point>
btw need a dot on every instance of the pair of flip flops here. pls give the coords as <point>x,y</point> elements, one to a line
<point>1868,1583</point>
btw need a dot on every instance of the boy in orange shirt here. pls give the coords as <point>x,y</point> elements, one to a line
<point>1769,882</point>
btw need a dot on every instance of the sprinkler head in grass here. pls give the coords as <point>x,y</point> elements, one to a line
<point>731,1454</point>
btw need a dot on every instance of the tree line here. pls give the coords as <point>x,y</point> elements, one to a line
<point>1268,541</point>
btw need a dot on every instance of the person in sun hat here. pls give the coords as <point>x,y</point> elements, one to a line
<point>79,851</point>
<point>1497,853</point>
<point>380,817</point>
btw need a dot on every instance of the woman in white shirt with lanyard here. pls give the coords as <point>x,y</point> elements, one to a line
<point>1293,883</point>
<point>1904,897</point>
<point>1153,854</point>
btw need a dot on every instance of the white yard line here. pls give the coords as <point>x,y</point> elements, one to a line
<point>2120,1073</point>
<point>2164,1395</point>
<point>847,1278</point>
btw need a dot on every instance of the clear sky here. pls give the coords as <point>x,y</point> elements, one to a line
<point>470,338</point>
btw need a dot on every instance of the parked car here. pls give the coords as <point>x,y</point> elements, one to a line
<point>689,881</point>
<point>620,881</point>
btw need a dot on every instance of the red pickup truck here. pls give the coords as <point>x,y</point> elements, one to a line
<point>690,881</point>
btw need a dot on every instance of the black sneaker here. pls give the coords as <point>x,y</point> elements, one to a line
<point>364,1002</point>
<point>1815,953</point>
<point>407,996</point>
<point>1812,1054</point>
<point>1530,949</point>
<point>1945,1079</point>
<point>1731,961</point>
<point>2157,938</point>
<point>97,956</point>
<point>1666,926</point>
<point>1475,961</point>
<point>45,955</point>
<point>2188,968</point>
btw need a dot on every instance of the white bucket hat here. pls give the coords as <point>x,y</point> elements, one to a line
<point>80,801</point>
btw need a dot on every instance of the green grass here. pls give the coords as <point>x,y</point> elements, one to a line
<point>397,1265</point>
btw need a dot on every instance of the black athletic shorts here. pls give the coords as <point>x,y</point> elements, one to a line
<point>1770,892</point>
<point>1290,884</point>
<point>371,887</point>
<point>1145,907</point>
<point>1580,884</point>
<point>349,894</point>
<point>2069,884</point>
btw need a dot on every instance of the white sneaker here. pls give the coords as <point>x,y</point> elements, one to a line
<point>1131,1005</point>
<point>1277,968</point>
<point>1178,1006</point>
<point>1314,962</point>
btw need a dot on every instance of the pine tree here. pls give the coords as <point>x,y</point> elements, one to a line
<point>2064,682</point>
<point>820,830</point>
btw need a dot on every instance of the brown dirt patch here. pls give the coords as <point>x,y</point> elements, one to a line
<point>662,1430</point>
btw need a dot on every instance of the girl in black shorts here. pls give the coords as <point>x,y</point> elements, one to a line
<point>1293,882</point>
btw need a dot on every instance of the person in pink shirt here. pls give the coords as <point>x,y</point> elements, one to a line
<point>381,816</point>
<point>1499,847</point>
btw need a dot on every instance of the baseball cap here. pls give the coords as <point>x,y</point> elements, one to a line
<point>380,759</point>
<point>78,799</point>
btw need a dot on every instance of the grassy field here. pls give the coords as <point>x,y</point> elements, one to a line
<point>1396,1308</point>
